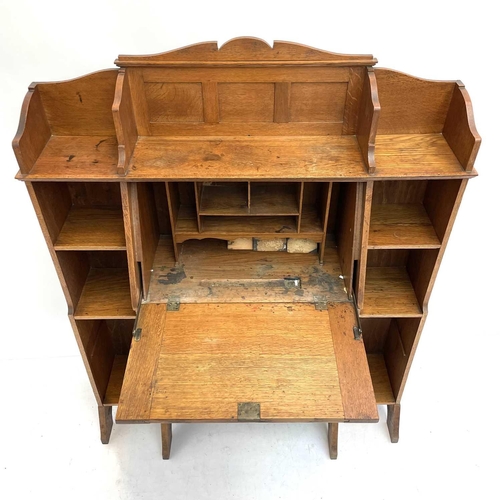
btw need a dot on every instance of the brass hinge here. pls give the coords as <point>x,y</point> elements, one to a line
<point>173,304</point>
<point>248,411</point>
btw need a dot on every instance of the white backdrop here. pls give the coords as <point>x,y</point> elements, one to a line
<point>449,442</point>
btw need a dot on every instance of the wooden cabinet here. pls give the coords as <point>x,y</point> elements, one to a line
<point>247,233</point>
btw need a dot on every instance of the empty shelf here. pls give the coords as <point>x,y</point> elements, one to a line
<point>389,293</point>
<point>115,380</point>
<point>92,229</point>
<point>105,295</point>
<point>401,226</point>
<point>380,379</point>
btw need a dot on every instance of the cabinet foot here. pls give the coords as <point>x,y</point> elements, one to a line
<point>333,438</point>
<point>166,440</point>
<point>105,422</point>
<point>393,415</point>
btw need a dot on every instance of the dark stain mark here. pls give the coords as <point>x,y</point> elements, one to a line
<point>283,229</point>
<point>212,157</point>
<point>243,297</point>
<point>210,291</point>
<point>95,161</point>
<point>299,292</point>
<point>70,157</point>
<point>99,143</point>
<point>174,277</point>
<point>321,279</point>
<point>79,97</point>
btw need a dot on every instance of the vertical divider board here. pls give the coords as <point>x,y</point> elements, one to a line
<point>325,211</point>
<point>173,210</point>
<point>365,231</point>
<point>300,197</point>
<point>198,186</point>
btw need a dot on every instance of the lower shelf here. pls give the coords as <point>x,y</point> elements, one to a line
<point>380,379</point>
<point>115,380</point>
<point>105,295</point>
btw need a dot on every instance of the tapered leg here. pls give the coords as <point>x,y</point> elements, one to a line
<point>333,438</point>
<point>166,440</point>
<point>105,422</point>
<point>393,414</point>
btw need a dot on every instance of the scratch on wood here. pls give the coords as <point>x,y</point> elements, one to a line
<point>70,157</point>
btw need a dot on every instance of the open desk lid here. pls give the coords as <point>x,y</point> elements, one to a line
<point>247,362</point>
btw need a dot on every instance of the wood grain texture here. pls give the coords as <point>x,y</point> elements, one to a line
<point>92,229</point>
<point>354,373</point>
<point>247,50</point>
<point>380,379</point>
<point>81,106</point>
<point>208,272</point>
<point>33,132</point>
<point>246,102</point>
<point>139,103</point>
<point>393,418</point>
<point>460,129</point>
<point>353,100</point>
<point>363,254</point>
<point>210,102</point>
<point>389,293</point>
<point>282,92</point>
<point>333,439</point>
<point>166,440</point>
<point>368,117</point>
<point>124,120</point>
<point>270,349</point>
<point>401,226</point>
<point>410,105</point>
<point>105,422</point>
<point>131,237</point>
<point>106,294</point>
<point>115,382</point>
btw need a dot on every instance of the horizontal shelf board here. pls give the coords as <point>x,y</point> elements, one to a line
<point>315,157</point>
<point>401,226</point>
<point>415,155</point>
<point>208,271</point>
<point>389,293</point>
<point>77,157</point>
<point>92,229</point>
<point>231,199</point>
<point>105,295</point>
<point>186,220</point>
<point>249,226</point>
<point>114,388</point>
<point>380,379</point>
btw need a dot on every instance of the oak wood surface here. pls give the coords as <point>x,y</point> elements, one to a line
<point>270,349</point>
<point>380,379</point>
<point>115,382</point>
<point>354,374</point>
<point>208,272</point>
<point>92,229</point>
<point>106,294</point>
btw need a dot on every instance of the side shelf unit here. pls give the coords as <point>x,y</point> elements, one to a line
<point>141,175</point>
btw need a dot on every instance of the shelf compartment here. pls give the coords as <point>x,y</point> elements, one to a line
<point>311,222</point>
<point>274,198</point>
<point>106,294</point>
<point>401,226</point>
<point>389,292</point>
<point>92,229</point>
<point>112,395</point>
<point>380,379</point>
<point>244,227</point>
<point>224,198</point>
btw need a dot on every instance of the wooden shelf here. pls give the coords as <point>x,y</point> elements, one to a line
<point>380,379</point>
<point>310,221</point>
<point>415,155</point>
<point>92,229</point>
<point>389,293</point>
<point>186,221</point>
<point>401,226</point>
<point>105,295</point>
<point>114,388</point>
<point>249,226</point>
<point>224,199</point>
<point>273,199</point>
<point>77,157</point>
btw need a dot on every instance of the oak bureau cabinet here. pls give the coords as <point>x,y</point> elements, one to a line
<point>247,233</point>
